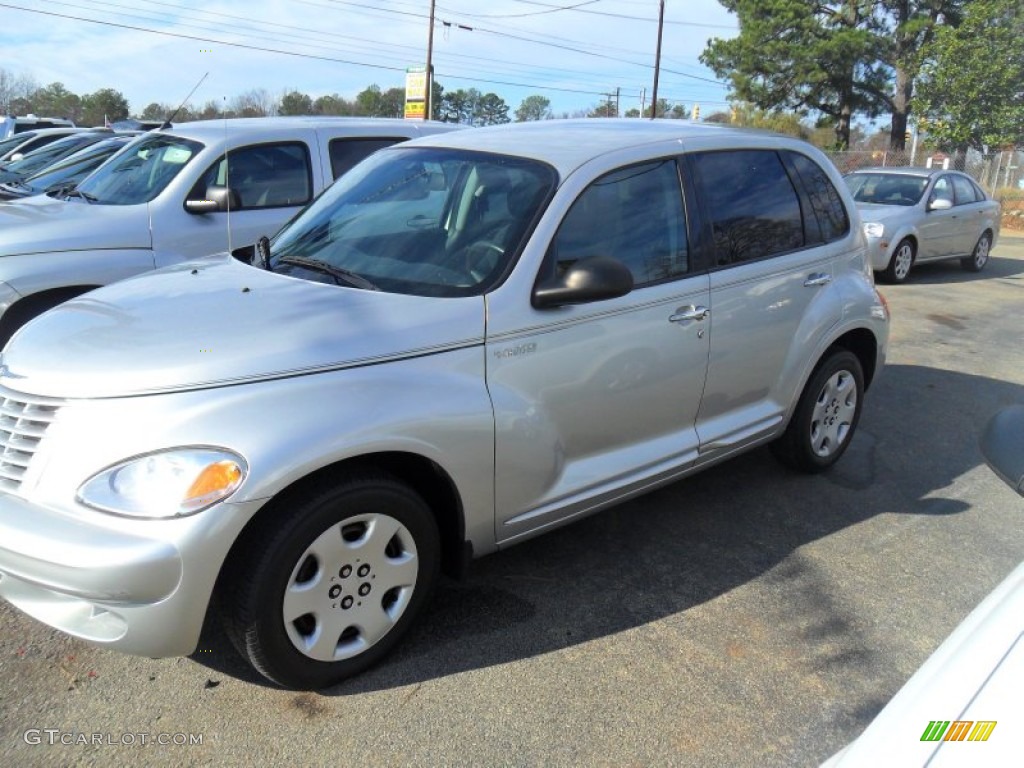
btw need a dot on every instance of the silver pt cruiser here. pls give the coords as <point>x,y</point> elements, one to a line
<point>468,340</point>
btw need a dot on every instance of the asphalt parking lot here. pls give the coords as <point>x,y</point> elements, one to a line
<point>748,616</point>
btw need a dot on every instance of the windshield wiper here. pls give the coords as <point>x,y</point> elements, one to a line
<point>84,195</point>
<point>340,275</point>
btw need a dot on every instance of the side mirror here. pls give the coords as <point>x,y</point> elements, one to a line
<point>594,278</point>
<point>940,205</point>
<point>1002,445</point>
<point>217,199</point>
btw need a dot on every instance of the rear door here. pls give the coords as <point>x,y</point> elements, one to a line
<point>770,279</point>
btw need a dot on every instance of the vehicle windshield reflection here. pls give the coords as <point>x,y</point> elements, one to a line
<point>141,173</point>
<point>422,221</point>
<point>887,188</point>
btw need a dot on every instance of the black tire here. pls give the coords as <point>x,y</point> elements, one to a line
<point>826,415</point>
<point>902,260</point>
<point>362,554</point>
<point>979,256</point>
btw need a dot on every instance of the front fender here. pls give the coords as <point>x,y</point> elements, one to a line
<point>35,272</point>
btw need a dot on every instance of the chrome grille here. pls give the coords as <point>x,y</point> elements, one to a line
<point>23,422</point>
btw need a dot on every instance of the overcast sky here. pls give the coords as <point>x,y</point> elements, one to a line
<point>514,48</point>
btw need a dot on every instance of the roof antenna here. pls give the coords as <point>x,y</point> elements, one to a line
<point>174,114</point>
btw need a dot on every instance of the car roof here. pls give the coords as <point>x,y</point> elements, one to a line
<point>906,171</point>
<point>568,144</point>
<point>215,129</point>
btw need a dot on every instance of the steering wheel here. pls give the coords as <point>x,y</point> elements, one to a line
<point>481,257</point>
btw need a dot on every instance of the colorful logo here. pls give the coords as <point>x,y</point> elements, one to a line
<point>958,730</point>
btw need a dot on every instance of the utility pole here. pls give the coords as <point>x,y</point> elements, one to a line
<point>428,106</point>
<point>657,59</point>
<point>617,112</point>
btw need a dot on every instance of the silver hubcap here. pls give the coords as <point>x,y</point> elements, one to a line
<point>902,260</point>
<point>833,413</point>
<point>981,252</point>
<point>350,587</point>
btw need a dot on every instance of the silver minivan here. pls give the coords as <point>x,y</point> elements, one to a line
<point>174,194</point>
<point>468,340</point>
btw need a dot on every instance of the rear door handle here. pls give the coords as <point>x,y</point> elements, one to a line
<point>689,313</point>
<point>817,278</point>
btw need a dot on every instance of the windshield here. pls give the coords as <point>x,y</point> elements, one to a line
<point>9,144</point>
<point>140,173</point>
<point>75,167</point>
<point>886,188</point>
<point>429,222</point>
<point>38,159</point>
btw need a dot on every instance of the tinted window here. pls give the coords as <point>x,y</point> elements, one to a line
<point>141,172</point>
<point>345,153</point>
<point>825,201</point>
<point>964,191</point>
<point>263,176</point>
<point>752,204</point>
<point>635,215</point>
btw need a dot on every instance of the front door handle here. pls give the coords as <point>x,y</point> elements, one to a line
<point>817,278</point>
<point>689,313</point>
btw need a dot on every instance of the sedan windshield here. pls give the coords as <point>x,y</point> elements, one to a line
<point>140,173</point>
<point>886,188</point>
<point>429,222</point>
<point>75,167</point>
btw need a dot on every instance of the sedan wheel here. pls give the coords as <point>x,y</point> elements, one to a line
<point>826,416</point>
<point>979,257</point>
<point>329,590</point>
<point>900,263</point>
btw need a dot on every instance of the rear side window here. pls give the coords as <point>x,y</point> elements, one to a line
<point>753,207</point>
<point>964,191</point>
<point>825,201</point>
<point>345,153</point>
<point>635,215</point>
<point>263,175</point>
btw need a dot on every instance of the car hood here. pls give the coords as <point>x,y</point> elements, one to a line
<point>886,213</point>
<point>40,224</point>
<point>976,675</point>
<point>217,321</point>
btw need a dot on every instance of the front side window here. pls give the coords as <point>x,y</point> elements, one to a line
<point>427,222</point>
<point>141,172</point>
<point>261,176</point>
<point>347,153</point>
<point>943,190</point>
<point>634,215</point>
<point>753,207</point>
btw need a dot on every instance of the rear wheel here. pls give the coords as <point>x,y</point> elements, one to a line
<point>900,263</point>
<point>330,590</point>
<point>826,415</point>
<point>979,256</point>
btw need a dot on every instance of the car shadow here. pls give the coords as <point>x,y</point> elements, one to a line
<point>950,271</point>
<point>695,540</point>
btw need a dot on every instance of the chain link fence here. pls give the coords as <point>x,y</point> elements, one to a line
<point>995,171</point>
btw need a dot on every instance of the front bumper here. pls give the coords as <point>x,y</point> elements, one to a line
<point>115,582</point>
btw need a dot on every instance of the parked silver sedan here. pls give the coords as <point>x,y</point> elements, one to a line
<point>914,215</point>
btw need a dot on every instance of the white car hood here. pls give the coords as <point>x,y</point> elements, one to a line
<point>977,674</point>
<point>218,321</point>
<point>40,224</point>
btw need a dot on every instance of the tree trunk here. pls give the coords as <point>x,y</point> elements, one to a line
<point>900,109</point>
<point>843,126</point>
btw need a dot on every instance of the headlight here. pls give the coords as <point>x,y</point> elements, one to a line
<point>874,229</point>
<point>180,481</point>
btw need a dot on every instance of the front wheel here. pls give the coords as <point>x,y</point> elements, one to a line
<point>329,589</point>
<point>900,263</point>
<point>979,256</point>
<point>826,415</point>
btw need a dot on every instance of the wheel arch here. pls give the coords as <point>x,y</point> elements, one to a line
<point>33,304</point>
<point>423,475</point>
<point>862,343</point>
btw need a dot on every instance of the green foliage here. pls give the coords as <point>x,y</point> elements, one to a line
<point>56,101</point>
<point>970,91</point>
<point>104,104</point>
<point>533,108</point>
<point>295,103</point>
<point>805,56</point>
